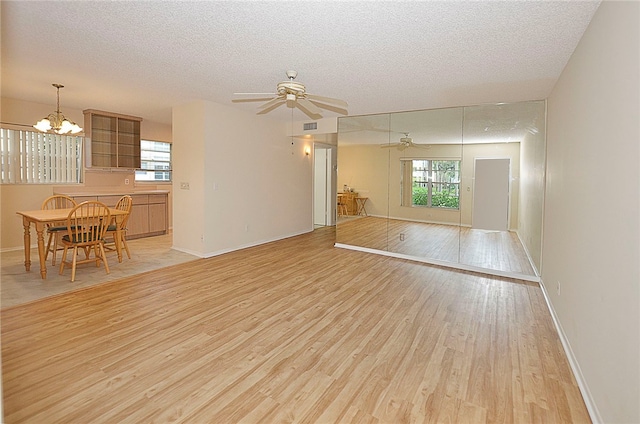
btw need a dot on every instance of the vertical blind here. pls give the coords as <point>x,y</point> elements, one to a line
<point>32,157</point>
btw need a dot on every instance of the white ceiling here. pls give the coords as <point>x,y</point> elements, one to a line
<point>141,58</point>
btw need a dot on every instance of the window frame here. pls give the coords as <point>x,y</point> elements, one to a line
<point>408,171</point>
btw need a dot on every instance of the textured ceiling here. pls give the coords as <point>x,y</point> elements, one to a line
<point>141,58</point>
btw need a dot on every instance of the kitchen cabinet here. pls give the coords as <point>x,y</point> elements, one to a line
<point>149,212</point>
<point>112,140</point>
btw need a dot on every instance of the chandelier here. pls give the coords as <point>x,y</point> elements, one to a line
<point>56,122</point>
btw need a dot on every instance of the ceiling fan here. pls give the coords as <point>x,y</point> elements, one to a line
<point>294,94</point>
<point>405,142</point>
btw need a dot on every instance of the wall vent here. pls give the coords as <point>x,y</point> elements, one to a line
<point>310,126</point>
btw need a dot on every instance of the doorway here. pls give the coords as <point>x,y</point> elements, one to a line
<point>324,190</point>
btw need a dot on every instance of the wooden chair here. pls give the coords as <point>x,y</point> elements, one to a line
<point>124,204</point>
<point>342,206</point>
<point>86,226</point>
<point>57,229</point>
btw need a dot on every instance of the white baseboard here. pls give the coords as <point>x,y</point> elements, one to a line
<point>243,246</point>
<point>594,414</point>
<point>526,251</point>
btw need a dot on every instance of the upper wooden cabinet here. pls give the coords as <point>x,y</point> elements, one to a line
<point>113,140</point>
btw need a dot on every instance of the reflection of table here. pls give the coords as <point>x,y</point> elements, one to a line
<point>347,198</point>
<point>360,201</point>
<point>40,219</point>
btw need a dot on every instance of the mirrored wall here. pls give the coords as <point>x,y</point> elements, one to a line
<point>458,186</point>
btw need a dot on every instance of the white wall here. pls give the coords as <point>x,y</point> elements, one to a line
<point>591,224</point>
<point>248,183</point>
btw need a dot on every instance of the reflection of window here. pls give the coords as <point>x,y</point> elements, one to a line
<point>32,157</point>
<point>431,183</point>
<point>155,161</point>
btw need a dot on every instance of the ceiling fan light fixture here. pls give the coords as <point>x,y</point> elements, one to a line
<point>291,100</point>
<point>294,94</point>
<point>56,122</point>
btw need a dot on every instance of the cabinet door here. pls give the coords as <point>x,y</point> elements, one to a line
<point>158,217</point>
<point>138,220</point>
<point>128,143</point>
<point>104,141</point>
<point>109,200</point>
<point>80,199</point>
<point>158,222</point>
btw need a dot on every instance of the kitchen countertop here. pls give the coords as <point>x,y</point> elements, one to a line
<point>109,192</point>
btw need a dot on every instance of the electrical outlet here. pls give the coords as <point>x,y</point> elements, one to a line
<point>401,236</point>
<point>184,186</point>
<point>558,287</point>
<point>126,181</point>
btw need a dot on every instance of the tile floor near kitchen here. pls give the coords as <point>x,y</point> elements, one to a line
<point>19,286</point>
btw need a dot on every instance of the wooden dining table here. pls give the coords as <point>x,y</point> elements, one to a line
<point>40,218</point>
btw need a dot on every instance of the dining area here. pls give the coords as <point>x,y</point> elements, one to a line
<point>28,269</point>
<point>90,228</point>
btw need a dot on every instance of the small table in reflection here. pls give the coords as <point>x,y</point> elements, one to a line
<point>360,202</point>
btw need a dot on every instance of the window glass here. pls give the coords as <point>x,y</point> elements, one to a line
<point>433,183</point>
<point>155,161</point>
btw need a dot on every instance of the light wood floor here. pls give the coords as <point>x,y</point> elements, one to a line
<point>290,331</point>
<point>497,250</point>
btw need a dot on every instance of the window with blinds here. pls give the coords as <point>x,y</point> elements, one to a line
<point>32,157</point>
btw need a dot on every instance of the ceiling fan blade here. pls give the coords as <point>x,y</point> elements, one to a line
<point>419,146</point>
<point>309,107</point>
<point>254,94</point>
<point>328,100</point>
<point>332,108</point>
<point>253,99</point>
<point>270,105</point>
<point>388,146</point>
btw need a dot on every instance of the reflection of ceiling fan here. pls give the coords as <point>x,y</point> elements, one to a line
<point>294,95</point>
<point>405,142</point>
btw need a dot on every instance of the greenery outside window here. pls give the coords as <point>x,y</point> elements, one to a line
<point>33,157</point>
<point>431,183</point>
<point>155,161</point>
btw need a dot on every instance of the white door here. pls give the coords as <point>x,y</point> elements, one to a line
<point>323,185</point>
<point>491,194</point>
<point>320,186</point>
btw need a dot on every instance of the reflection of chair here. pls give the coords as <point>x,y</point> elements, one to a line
<point>342,207</point>
<point>86,226</point>
<point>57,229</point>
<point>124,204</point>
